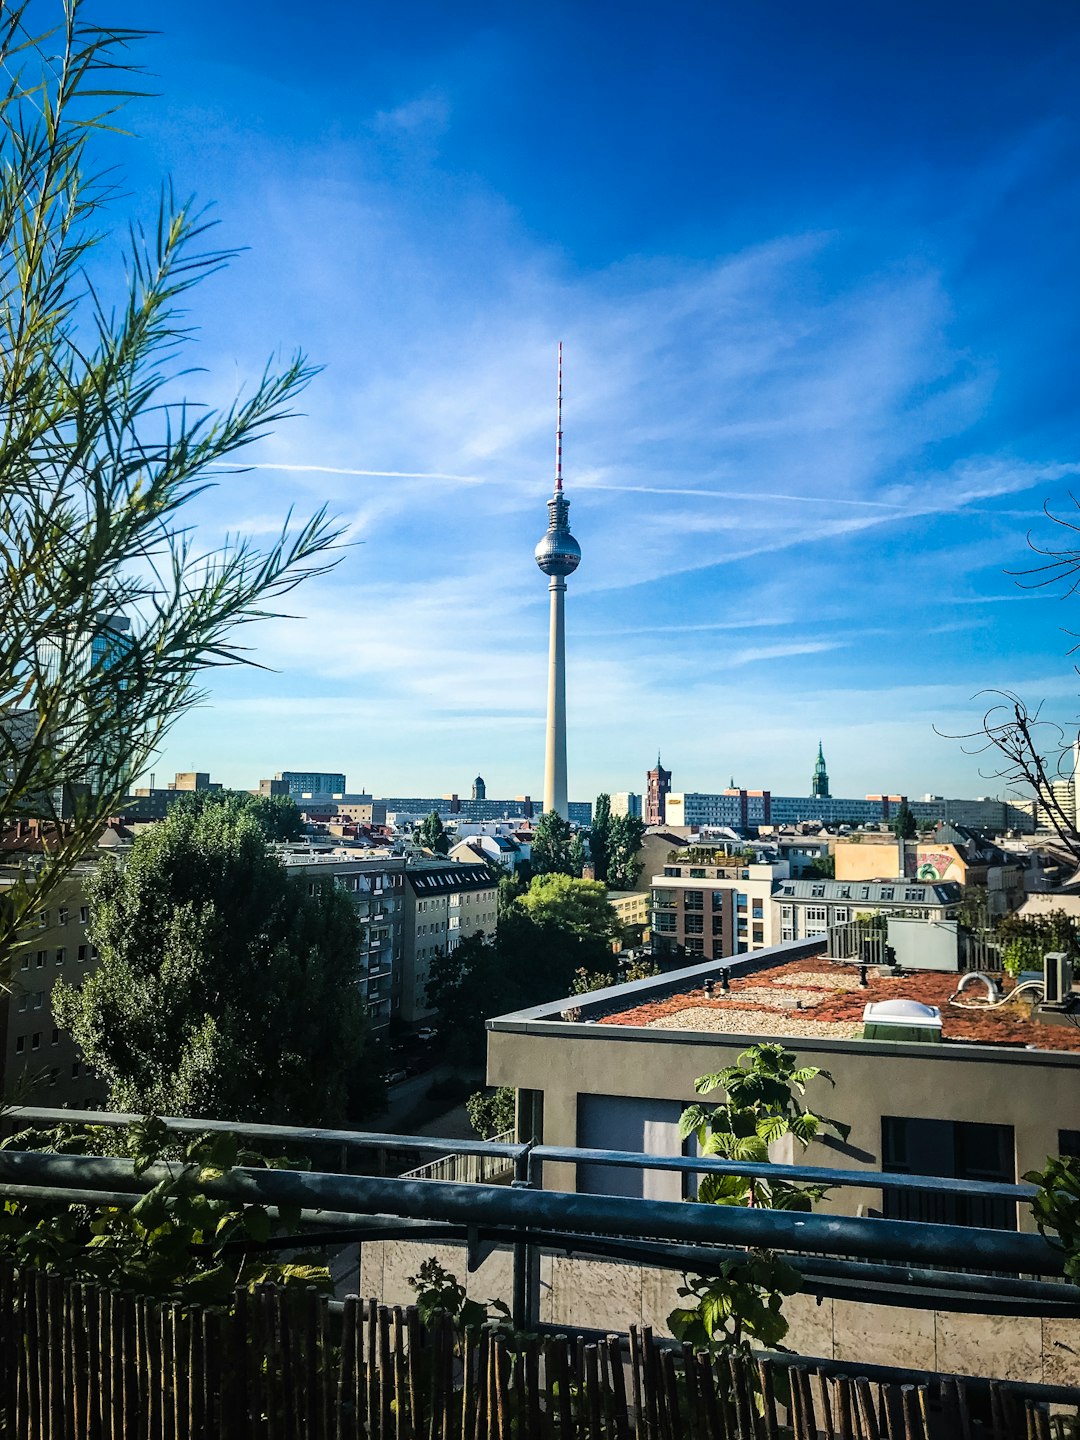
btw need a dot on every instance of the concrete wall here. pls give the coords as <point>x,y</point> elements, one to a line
<point>1036,1092</point>
<point>607,1295</point>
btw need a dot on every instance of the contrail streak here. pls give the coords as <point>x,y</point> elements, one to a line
<point>338,470</point>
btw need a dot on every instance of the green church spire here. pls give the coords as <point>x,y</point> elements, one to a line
<point>819,785</point>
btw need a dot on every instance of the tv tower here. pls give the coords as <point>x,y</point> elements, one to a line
<point>558,555</point>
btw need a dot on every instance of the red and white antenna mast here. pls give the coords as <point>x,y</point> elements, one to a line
<point>558,428</point>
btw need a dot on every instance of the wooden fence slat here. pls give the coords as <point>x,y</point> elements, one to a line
<point>768,1399</point>
<point>79,1362</point>
<point>641,1426</point>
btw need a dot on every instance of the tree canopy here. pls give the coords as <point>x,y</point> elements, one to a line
<point>579,906</point>
<point>111,610</point>
<point>904,825</point>
<point>225,987</point>
<point>431,834</point>
<point>277,816</point>
<point>526,962</point>
<point>552,843</point>
<point>598,836</point>
<point>625,834</point>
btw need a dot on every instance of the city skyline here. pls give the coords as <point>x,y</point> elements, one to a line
<point>808,434</point>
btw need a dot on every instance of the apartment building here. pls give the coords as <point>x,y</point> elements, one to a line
<point>377,889</point>
<point>714,909</point>
<point>806,908</point>
<point>953,853</point>
<point>39,1062</point>
<point>446,901</point>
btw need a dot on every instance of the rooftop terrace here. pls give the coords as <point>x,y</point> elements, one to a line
<point>815,998</point>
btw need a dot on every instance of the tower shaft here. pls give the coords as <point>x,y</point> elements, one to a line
<point>555,750</point>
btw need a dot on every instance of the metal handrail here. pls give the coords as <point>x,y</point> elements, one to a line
<point>756,1170</point>
<point>276,1134</point>
<point>537,1154</point>
<point>790,1231</point>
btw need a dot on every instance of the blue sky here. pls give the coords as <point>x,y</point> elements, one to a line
<point>814,270</point>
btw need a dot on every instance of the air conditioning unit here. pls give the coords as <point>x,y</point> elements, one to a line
<point>1057,976</point>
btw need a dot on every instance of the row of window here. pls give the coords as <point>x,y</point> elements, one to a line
<point>41,958</point>
<point>63,916</point>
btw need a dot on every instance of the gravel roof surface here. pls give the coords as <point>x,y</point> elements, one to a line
<point>832,1003</point>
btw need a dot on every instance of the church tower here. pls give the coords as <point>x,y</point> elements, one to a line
<point>819,785</point>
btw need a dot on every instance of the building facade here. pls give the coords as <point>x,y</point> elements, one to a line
<point>711,910</point>
<point>614,1071</point>
<point>625,802</point>
<point>311,782</point>
<point>807,908</point>
<point>377,889</point>
<point>40,1063</point>
<point>445,902</point>
<point>749,809</point>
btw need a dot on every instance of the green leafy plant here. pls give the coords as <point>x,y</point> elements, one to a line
<point>107,590</point>
<point>439,1292</point>
<point>492,1112</point>
<point>742,1301</point>
<point>176,1241</point>
<point>1056,1207</point>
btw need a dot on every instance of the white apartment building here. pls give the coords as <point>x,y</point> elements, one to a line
<point>445,902</point>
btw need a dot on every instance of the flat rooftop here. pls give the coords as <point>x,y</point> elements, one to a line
<point>815,998</point>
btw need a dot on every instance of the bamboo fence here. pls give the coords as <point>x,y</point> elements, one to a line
<point>82,1363</point>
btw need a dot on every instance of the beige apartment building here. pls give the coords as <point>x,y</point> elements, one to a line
<point>706,911</point>
<point>40,1064</point>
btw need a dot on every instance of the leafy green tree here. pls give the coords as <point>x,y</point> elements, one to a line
<point>580,906</point>
<point>578,856</point>
<point>277,816</point>
<point>551,844</point>
<point>824,865</point>
<point>492,1112</point>
<point>904,826</point>
<point>743,1303</point>
<point>598,837</point>
<point>625,836</point>
<point>526,962</point>
<point>431,834</point>
<point>225,986</point>
<point>510,887</point>
<point>111,611</point>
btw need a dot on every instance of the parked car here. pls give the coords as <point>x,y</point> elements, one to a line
<point>395,1077</point>
<point>427,1034</point>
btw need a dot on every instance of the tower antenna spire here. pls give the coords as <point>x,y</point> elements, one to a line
<point>558,428</point>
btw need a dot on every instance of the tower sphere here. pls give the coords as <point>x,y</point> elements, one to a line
<point>558,553</point>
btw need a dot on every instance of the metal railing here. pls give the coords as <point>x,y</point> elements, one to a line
<point>467,1169</point>
<point>929,1265</point>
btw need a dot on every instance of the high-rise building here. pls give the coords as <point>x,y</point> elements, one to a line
<point>558,555</point>
<point>86,667</point>
<point>657,791</point>
<point>625,802</point>
<point>311,782</point>
<point>819,785</point>
<point>479,789</point>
